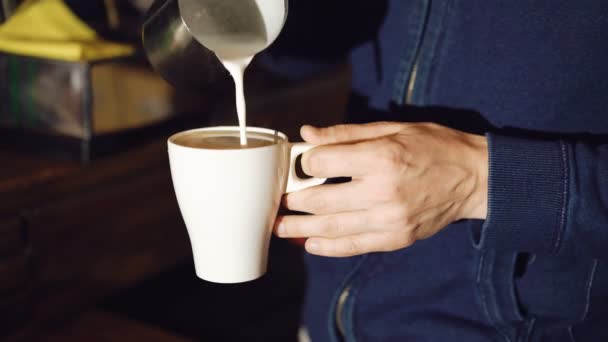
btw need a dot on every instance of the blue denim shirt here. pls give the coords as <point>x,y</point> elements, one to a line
<point>533,77</point>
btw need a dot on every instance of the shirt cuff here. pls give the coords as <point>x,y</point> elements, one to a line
<point>527,195</point>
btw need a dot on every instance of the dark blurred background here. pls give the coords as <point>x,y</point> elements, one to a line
<point>92,245</point>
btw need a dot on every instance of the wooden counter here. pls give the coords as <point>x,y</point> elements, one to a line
<point>86,230</point>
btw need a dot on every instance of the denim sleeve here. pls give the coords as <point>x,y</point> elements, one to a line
<point>547,197</point>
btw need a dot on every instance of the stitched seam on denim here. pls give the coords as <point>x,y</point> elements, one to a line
<point>484,298</point>
<point>481,289</point>
<point>566,175</point>
<point>350,315</point>
<point>437,51</point>
<point>405,67</point>
<point>589,286</point>
<point>499,319</point>
<point>374,260</point>
<point>518,316</point>
<point>332,311</point>
<point>530,323</point>
<point>571,334</point>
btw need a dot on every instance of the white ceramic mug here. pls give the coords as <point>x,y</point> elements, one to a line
<point>229,200</point>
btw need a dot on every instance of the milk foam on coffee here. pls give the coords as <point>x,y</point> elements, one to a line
<point>223,140</point>
<point>221,143</point>
<point>236,49</point>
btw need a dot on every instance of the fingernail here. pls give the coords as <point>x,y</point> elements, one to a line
<point>281,229</point>
<point>307,129</point>
<point>312,246</point>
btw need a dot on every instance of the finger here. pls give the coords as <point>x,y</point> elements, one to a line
<point>329,226</point>
<point>329,199</point>
<point>353,245</point>
<point>343,160</point>
<point>348,133</point>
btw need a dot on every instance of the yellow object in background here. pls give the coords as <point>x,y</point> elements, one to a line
<point>49,29</point>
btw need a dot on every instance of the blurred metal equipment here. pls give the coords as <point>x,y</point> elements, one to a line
<point>75,109</point>
<point>179,36</point>
<point>174,52</point>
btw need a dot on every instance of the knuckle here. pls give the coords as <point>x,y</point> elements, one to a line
<point>398,194</point>
<point>334,227</point>
<point>339,131</point>
<point>291,201</point>
<point>317,204</point>
<point>295,228</point>
<point>392,243</point>
<point>397,240</point>
<point>391,155</point>
<point>406,239</point>
<point>430,126</point>
<point>353,246</point>
<point>398,216</point>
<point>403,213</point>
<point>298,201</point>
<point>386,123</point>
<point>390,193</point>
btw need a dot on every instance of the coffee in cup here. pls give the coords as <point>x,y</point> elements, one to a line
<point>222,140</point>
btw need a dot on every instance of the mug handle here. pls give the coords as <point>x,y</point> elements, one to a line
<point>295,183</point>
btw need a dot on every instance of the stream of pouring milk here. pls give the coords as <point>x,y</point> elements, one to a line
<point>237,51</point>
<point>237,68</point>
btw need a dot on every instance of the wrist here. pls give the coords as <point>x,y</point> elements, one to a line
<point>477,203</point>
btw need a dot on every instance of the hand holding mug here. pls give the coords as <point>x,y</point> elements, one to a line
<point>409,181</point>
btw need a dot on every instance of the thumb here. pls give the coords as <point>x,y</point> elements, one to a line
<point>348,133</point>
